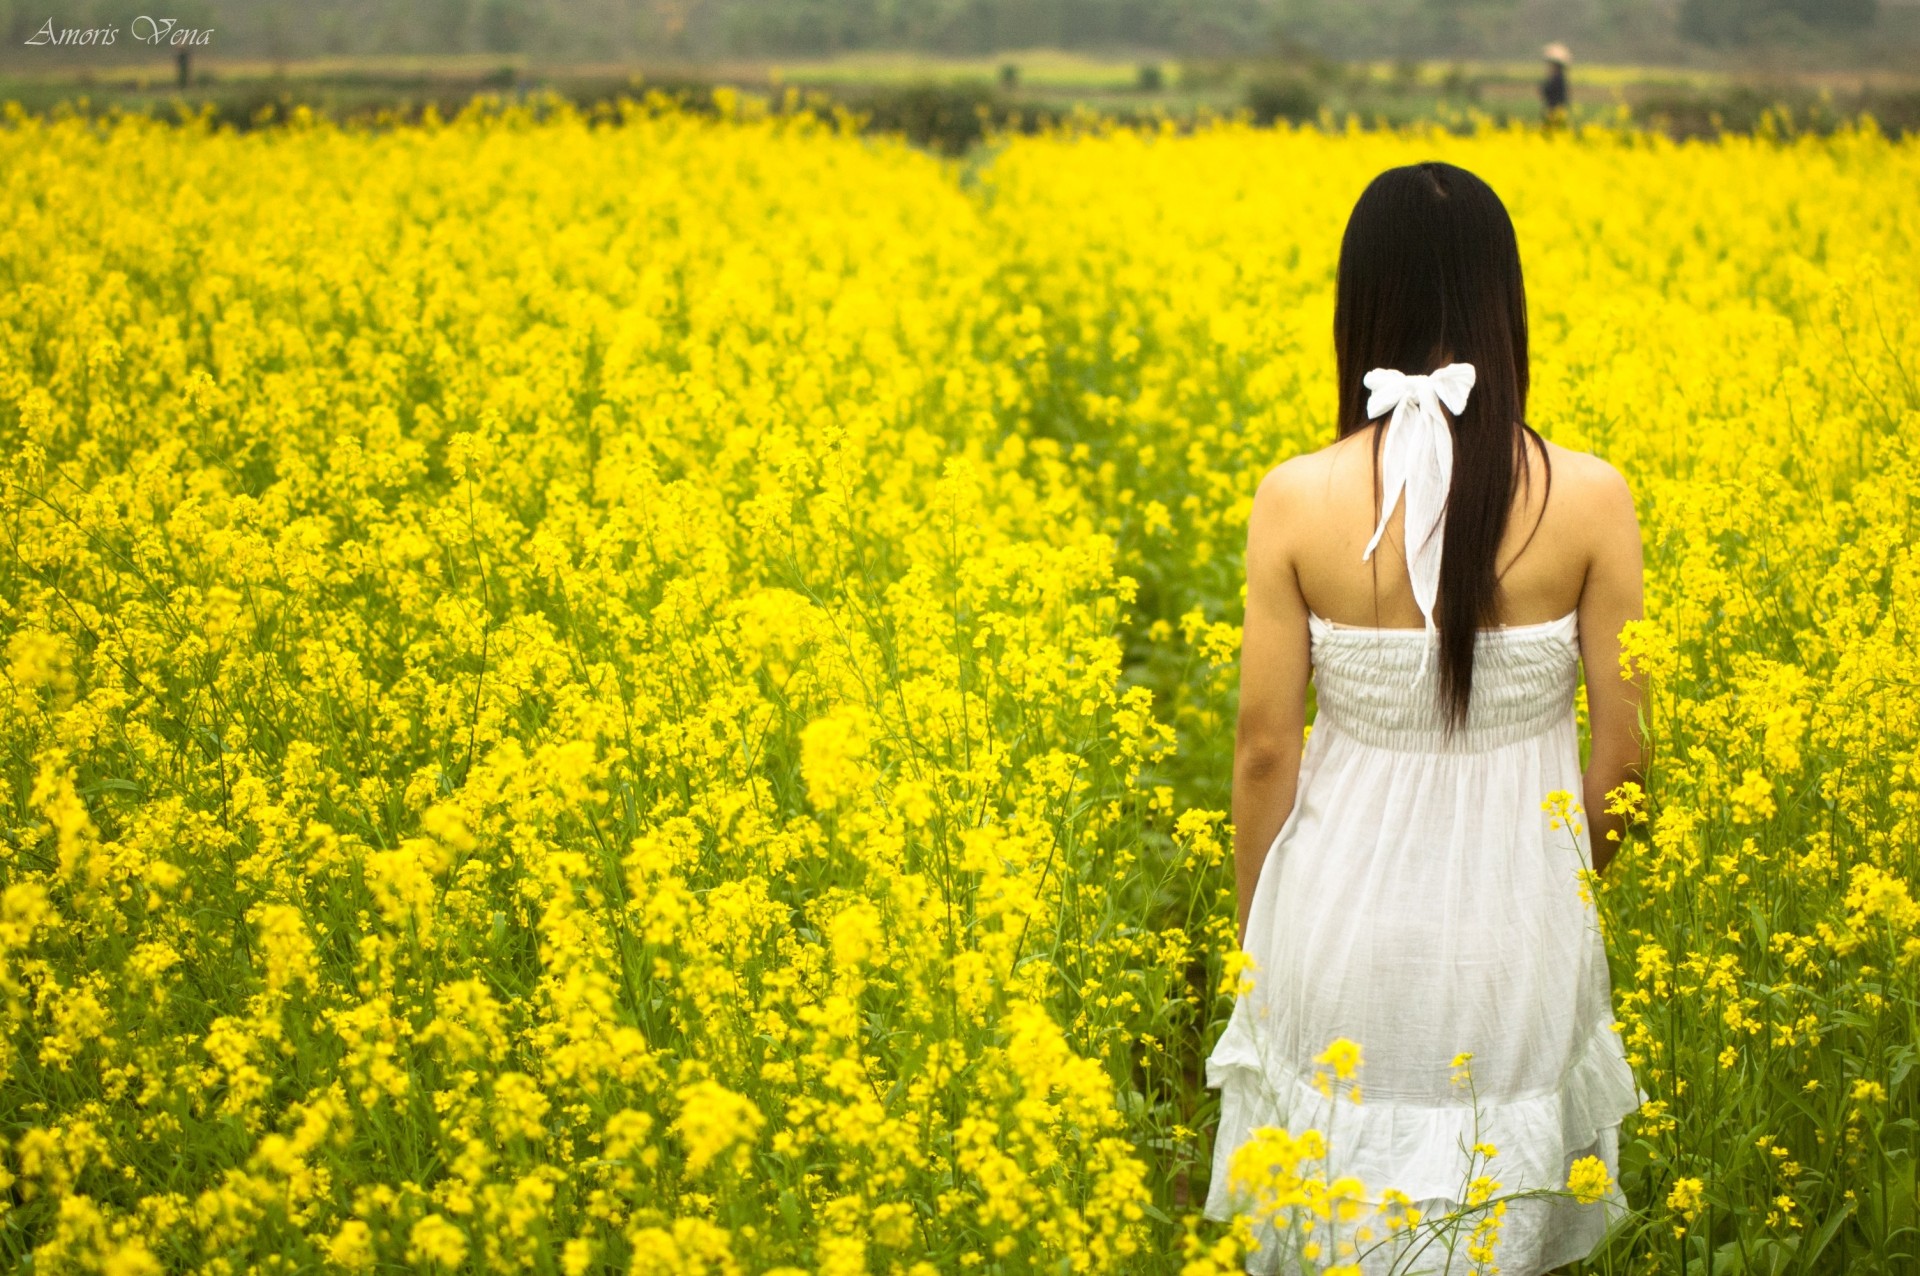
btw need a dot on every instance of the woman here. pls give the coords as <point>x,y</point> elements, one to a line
<point>1443,573</point>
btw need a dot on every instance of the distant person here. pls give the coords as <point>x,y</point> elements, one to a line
<point>1553,89</point>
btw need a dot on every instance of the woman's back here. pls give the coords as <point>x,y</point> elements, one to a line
<point>1541,563</point>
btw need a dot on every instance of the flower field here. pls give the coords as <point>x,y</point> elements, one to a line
<point>639,692</point>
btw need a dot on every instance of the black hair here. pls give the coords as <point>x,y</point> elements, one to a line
<point>1430,275</point>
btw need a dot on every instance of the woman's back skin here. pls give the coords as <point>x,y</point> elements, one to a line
<point>1572,547</point>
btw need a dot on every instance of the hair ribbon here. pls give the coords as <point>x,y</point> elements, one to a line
<point>1416,459</point>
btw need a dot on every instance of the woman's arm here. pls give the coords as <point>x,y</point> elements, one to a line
<point>1273,684</point>
<point>1610,598</point>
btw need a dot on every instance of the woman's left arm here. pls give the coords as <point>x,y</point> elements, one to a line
<point>1273,683</point>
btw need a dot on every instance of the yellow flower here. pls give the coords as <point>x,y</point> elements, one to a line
<point>435,1240</point>
<point>130,1259</point>
<point>1277,1171</point>
<point>351,1246</point>
<point>713,1120</point>
<point>1564,811</point>
<point>856,935</point>
<point>1867,1091</point>
<point>519,1109</point>
<point>1686,1197</point>
<point>834,756</point>
<point>1588,1180</point>
<point>1343,1056</point>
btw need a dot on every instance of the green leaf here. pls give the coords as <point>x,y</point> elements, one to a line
<point>1823,1237</point>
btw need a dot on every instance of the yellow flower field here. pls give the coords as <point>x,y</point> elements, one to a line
<point>633,691</point>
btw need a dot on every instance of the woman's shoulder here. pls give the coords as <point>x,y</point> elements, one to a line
<point>1302,482</point>
<point>1583,485</point>
<point>1592,485</point>
<point>1584,474</point>
<point>1315,468</point>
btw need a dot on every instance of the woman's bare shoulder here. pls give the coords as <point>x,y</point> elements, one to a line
<point>1279,484</point>
<point>1312,470</point>
<point>1587,491</point>
<point>1303,482</point>
<point>1592,486</point>
<point>1300,478</point>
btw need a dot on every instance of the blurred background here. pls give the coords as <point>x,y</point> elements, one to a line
<point>938,68</point>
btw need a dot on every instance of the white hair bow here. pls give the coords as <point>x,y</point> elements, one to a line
<point>1416,457</point>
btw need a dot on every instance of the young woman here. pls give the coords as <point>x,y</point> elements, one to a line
<point>1443,574</point>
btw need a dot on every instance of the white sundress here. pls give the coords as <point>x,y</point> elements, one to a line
<point>1417,902</point>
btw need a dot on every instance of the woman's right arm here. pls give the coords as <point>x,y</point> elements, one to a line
<point>1610,598</point>
<point>1275,664</point>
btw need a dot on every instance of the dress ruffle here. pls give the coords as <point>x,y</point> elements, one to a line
<point>1423,1150</point>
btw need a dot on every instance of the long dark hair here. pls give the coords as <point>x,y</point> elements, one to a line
<point>1430,275</point>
